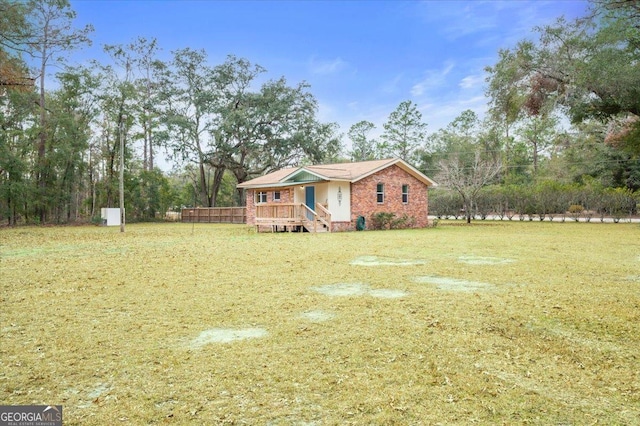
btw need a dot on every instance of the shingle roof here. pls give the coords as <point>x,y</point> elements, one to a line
<point>351,172</point>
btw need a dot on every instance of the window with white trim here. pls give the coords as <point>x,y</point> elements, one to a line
<point>380,193</point>
<point>261,197</point>
<point>405,194</point>
<point>276,195</point>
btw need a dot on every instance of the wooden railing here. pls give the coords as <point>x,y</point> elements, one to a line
<point>293,214</point>
<point>324,216</point>
<point>309,218</point>
<point>278,214</point>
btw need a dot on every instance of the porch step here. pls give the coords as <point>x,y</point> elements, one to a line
<point>319,229</point>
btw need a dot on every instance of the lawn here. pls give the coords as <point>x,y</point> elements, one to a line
<point>493,323</point>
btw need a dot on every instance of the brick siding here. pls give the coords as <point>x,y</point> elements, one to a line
<point>364,199</point>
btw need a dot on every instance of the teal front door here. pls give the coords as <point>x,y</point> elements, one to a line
<point>310,199</point>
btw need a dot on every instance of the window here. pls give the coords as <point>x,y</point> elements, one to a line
<point>276,195</point>
<point>380,193</point>
<point>261,197</point>
<point>405,194</point>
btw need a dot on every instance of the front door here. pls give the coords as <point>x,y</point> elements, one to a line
<point>310,199</point>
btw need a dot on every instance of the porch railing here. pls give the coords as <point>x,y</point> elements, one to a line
<point>293,214</point>
<point>278,213</point>
<point>324,216</point>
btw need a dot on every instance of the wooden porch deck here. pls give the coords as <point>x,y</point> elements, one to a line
<point>292,216</point>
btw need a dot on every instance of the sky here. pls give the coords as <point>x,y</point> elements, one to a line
<point>361,58</point>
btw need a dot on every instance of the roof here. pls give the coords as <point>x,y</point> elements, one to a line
<point>350,172</point>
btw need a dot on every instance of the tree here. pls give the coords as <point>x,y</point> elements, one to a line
<point>466,165</point>
<point>506,98</point>
<point>404,131</point>
<point>468,178</point>
<point>143,59</point>
<point>362,148</point>
<point>117,96</point>
<point>73,107</point>
<point>457,138</point>
<point>588,66</point>
<point>505,95</point>
<point>14,29</point>
<point>187,106</point>
<point>259,132</point>
<point>16,109</point>
<point>51,34</point>
<point>539,134</point>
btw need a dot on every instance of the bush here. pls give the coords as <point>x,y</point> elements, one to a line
<point>403,222</point>
<point>388,220</point>
<point>382,220</point>
<point>576,211</point>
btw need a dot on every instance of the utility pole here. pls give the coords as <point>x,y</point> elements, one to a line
<point>122,119</point>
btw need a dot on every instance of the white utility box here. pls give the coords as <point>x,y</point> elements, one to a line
<point>110,217</point>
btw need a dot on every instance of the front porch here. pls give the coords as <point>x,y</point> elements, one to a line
<point>293,217</point>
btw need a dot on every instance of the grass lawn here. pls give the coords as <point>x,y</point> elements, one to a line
<point>493,323</point>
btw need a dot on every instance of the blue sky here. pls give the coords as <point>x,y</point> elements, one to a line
<point>361,58</point>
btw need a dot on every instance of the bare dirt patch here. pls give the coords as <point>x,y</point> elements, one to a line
<point>385,261</point>
<point>484,260</point>
<point>226,335</point>
<point>386,293</point>
<point>455,284</point>
<point>343,289</point>
<point>358,289</point>
<point>317,316</point>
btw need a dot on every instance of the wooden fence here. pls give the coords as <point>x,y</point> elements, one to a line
<point>215,215</point>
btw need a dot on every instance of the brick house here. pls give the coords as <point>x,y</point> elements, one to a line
<point>331,197</point>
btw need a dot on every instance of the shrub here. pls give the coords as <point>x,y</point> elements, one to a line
<point>576,211</point>
<point>403,222</point>
<point>381,220</point>
<point>388,220</point>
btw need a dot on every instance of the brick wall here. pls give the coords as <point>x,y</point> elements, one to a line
<point>364,200</point>
<point>251,206</point>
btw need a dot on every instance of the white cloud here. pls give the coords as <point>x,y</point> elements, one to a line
<point>332,66</point>
<point>433,78</point>
<point>472,81</point>
<point>472,18</point>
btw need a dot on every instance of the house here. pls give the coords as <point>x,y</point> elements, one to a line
<point>331,197</point>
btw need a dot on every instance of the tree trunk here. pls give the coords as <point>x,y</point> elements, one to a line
<point>217,183</point>
<point>42,140</point>
<point>204,192</point>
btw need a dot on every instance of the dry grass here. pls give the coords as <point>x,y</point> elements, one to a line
<point>107,324</point>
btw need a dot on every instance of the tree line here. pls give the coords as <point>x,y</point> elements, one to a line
<point>563,108</point>
<point>545,200</point>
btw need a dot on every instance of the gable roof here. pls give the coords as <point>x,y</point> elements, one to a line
<point>350,172</point>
